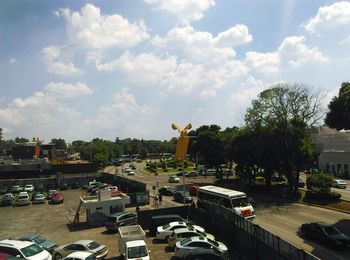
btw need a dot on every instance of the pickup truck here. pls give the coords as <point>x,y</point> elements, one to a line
<point>131,241</point>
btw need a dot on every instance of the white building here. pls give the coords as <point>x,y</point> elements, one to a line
<point>333,148</point>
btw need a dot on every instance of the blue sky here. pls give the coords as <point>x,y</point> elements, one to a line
<point>107,69</point>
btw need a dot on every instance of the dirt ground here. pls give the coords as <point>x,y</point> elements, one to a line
<point>53,222</point>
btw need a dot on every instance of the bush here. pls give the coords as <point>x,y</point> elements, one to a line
<point>311,195</point>
<point>319,182</point>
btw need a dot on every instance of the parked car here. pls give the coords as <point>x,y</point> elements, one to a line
<point>64,186</point>
<point>183,233</point>
<point>75,185</point>
<point>16,189</point>
<point>81,255</point>
<point>23,199</point>
<point>57,197</point>
<point>181,196</point>
<point>193,190</point>
<point>130,173</point>
<point>160,220</point>
<point>121,219</point>
<point>337,183</point>
<point>95,190</point>
<point>7,199</point>
<point>29,188</point>
<point>39,198</point>
<point>163,232</point>
<point>51,186</point>
<point>205,254</point>
<point>167,191</point>
<point>133,166</point>
<point>50,193</point>
<point>4,256</point>
<point>3,189</point>
<point>40,187</point>
<point>179,174</point>
<point>93,185</point>
<point>325,233</point>
<point>82,245</point>
<point>24,249</point>
<point>192,243</point>
<point>174,179</point>
<point>191,174</point>
<point>40,241</point>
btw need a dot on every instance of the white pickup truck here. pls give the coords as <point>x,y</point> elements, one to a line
<point>131,241</point>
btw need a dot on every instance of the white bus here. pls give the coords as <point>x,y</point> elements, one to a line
<point>231,199</point>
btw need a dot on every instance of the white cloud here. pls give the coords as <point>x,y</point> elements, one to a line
<point>68,90</point>
<point>92,30</point>
<point>185,10</point>
<point>296,53</point>
<point>292,53</point>
<point>329,17</point>
<point>57,62</point>
<point>176,77</point>
<point>124,116</point>
<point>199,46</point>
<point>345,41</point>
<point>12,61</point>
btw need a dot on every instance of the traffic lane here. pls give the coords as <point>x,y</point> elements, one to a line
<point>285,221</point>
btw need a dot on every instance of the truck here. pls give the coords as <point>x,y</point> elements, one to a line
<point>132,243</point>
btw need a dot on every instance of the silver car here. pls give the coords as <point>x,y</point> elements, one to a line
<point>39,198</point>
<point>82,245</point>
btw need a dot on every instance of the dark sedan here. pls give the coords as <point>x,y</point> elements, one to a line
<point>180,195</point>
<point>167,191</point>
<point>40,241</point>
<point>325,233</point>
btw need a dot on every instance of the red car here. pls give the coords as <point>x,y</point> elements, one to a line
<point>194,190</point>
<point>57,198</point>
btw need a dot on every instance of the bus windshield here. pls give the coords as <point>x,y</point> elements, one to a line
<point>240,202</point>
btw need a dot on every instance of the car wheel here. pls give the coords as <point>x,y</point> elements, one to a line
<point>58,256</point>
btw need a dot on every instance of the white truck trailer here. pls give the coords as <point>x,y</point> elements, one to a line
<point>132,243</point>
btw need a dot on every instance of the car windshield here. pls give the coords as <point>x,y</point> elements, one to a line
<point>23,197</point>
<point>213,242</point>
<point>166,226</point>
<point>240,202</point>
<point>39,240</point>
<point>331,230</point>
<point>93,245</point>
<point>137,251</point>
<point>31,250</point>
<point>185,241</point>
<point>91,257</point>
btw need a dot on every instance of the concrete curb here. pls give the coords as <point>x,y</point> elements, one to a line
<point>325,207</point>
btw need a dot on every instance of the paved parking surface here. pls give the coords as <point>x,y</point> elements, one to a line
<point>52,222</point>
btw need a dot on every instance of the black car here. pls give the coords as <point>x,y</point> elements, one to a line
<point>40,187</point>
<point>325,233</point>
<point>167,191</point>
<point>3,189</point>
<point>64,186</point>
<point>204,254</point>
<point>191,174</point>
<point>121,219</point>
<point>7,200</point>
<point>180,195</point>
<point>75,185</point>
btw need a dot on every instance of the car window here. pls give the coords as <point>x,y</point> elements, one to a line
<point>72,247</point>
<point>10,251</point>
<point>93,245</point>
<point>39,240</point>
<point>31,250</point>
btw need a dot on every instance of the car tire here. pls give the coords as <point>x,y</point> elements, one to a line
<point>58,256</point>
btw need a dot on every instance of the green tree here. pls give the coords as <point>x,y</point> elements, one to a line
<point>59,143</point>
<point>319,182</point>
<point>21,140</point>
<point>338,115</point>
<point>283,114</point>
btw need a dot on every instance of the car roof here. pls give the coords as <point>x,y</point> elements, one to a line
<point>83,242</point>
<point>199,238</point>
<point>79,254</point>
<point>29,237</point>
<point>119,214</point>
<point>183,230</point>
<point>15,243</point>
<point>174,223</point>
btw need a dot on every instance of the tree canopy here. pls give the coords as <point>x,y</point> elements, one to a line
<point>338,115</point>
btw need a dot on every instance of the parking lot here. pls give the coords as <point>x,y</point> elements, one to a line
<point>54,223</point>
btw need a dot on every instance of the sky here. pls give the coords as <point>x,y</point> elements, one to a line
<point>80,70</point>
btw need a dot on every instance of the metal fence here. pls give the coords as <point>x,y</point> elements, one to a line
<point>249,239</point>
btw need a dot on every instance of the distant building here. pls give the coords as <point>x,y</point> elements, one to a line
<point>333,149</point>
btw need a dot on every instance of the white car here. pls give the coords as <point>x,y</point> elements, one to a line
<point>339,184</point>
<point>183,233</point>
<point>82,245</point>
<point>81,255</point>
<point>163,232</point>
<point>23,198</point>
<point>29,188</point>
<point>24,249</point>
<point>131,173</point>
<point>191,243</point>
<point>39,198</point>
